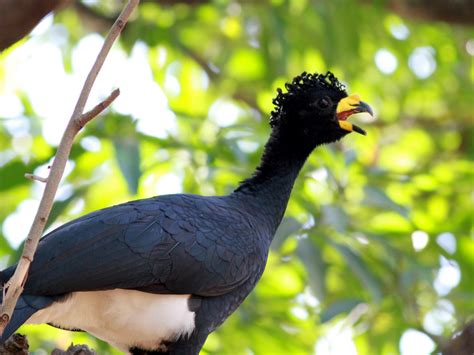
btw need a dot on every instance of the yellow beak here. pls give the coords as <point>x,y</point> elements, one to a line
<point>348,107</point>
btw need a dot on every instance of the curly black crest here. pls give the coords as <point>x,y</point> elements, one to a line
<point>300,84</point>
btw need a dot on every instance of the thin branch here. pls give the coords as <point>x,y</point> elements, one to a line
<point>34,177</point>
<point>88,116</point>
<point>111,37</point>
<point>76,122</point>
<point>212,73</point>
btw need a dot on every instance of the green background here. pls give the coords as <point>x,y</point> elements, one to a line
<point>377,238</point>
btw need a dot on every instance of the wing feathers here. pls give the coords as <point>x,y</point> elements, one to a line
<point>158,244</point>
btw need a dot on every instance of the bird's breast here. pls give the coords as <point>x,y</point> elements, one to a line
<point>123,318</point>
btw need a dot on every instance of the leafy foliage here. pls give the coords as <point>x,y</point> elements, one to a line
<point>377,238</point>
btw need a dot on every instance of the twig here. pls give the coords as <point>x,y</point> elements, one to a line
<point>86,117</point>
<point>211,72</point>
<point>76,122</point>
<point>34,177</point>
<point>17,344</point>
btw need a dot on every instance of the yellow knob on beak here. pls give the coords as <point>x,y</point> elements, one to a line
<point>348,107</point>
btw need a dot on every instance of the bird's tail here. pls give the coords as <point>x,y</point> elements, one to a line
<point>26,306</point>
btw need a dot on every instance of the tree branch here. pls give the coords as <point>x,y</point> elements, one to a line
<point>462,342</point>
<point>86,117</point>
<point>14,287</point>
<point>460,12</point>
<point>19,17</point>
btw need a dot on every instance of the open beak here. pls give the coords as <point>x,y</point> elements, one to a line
<point>348,107</point>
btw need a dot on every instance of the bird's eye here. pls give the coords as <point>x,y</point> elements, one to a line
<point>324,102</point>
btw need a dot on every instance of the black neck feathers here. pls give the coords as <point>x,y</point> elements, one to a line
<point>268,190</point>
<point>282,159</point>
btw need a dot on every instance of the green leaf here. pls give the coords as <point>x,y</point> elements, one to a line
<point>127,153</point>
<point>338,307</point>
<point>60,206</point>
<point>376,197</point>
<point>288,227</point>
<point>336,217</point>
<point>315,267</point>
<point>361,270</point>
<point>5,247</point>
<point>12,173</point>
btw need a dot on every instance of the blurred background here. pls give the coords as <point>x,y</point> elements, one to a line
<point>376,252</point>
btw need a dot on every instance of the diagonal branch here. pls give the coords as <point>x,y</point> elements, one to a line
<point>14,287</point>
<point>86,117</point>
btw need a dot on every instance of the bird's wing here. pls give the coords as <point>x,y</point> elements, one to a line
<point>181,244</point>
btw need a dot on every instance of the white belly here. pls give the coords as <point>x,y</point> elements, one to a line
<point>123,318</point>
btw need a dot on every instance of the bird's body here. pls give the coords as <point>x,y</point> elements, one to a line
<point>147,321</point>
<point>164,258</point>
<point>160,274</point>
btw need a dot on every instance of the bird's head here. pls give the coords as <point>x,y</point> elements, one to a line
<point>315,109</point>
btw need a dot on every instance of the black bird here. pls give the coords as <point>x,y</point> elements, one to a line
<point>158,275</point>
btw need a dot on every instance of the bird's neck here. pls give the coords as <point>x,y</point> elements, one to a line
<point>268,190</point>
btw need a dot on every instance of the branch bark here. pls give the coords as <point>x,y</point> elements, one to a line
<point>19,17</point>
<point>14,287</point>
<point>462,342</point>
<point>460,12</point>
<point>17,344</point>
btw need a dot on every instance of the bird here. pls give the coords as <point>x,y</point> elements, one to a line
<point>158,275</point>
